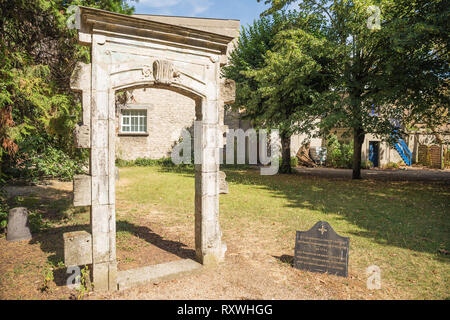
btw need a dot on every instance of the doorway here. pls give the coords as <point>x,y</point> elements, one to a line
<point>374,152</point>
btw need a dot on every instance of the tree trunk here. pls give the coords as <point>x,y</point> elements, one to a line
<point>285,154</point>
<point>358,140</point>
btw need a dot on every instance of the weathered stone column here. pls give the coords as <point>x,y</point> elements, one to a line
<point>102,167</point>
<point>208,236</point>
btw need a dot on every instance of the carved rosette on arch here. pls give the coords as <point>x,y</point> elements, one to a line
<point>146,71</point>
<point>164,72</point>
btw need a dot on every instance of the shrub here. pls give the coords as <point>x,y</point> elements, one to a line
<point>36,222</point>
<point>391,165</point>
<point>3,218</point>
<point>339,155</point>
<point>52,162</point>
<point>146,162</point>
<point>366,164</point>
<point>123,163</point>
<point>4,209</point>
<point>294,162</point>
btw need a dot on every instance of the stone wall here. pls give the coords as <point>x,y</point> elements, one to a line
<point>168,112</point>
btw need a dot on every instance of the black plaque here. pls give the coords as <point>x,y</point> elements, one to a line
<point>321,249</point>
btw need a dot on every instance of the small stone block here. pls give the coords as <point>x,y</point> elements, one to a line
<point>82,190</point>
<point>77,248</point>
<point>223,185</point>
<point>18,228</point>
<point>228,91</point>
<point>82,136</point>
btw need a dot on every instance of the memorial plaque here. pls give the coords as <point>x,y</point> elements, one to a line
<point>322,250</point>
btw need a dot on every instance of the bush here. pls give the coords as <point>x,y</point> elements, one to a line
<point>51,162</point>
<point>3,220</point>
<point>294,162</point>
<point>391,165</point>
<point>36,222</point>
<point>146,162</point>
<point>123,163</point>
<point>339,155</point>
<point>366,164</point>
<point>4,209</point>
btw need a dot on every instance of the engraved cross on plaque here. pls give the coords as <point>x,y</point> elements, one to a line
<point>322,230</point>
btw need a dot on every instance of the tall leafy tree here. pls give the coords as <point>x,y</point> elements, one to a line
<point>280,71</point>
<point>254,41</point>
<point>386,76</point>
<point>38,53</point>
<point>295,76</point>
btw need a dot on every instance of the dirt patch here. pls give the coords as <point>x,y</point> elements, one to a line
<point>41,190</point>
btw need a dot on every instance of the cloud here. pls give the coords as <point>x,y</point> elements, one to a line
<point>199,6</point>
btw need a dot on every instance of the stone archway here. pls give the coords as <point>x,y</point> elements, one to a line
<point>132,52</point>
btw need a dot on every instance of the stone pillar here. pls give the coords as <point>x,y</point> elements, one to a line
<point>103,222</point>
<point>208,236</point>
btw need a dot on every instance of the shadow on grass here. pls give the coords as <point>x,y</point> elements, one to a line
<point>55,205</point>
<point>51,241</point>
<point>174,247</point>
<point>409,215</point>
<point>285,259</point>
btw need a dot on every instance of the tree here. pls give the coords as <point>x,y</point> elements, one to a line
<point>395,74</point>
<point>38,111</point>
<point>280,71</point>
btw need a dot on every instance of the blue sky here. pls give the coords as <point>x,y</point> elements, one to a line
<point>244,10</point>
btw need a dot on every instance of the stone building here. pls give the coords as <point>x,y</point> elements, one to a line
<point>149,121</point>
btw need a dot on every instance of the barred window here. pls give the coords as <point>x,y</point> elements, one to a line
<point>134,121</point>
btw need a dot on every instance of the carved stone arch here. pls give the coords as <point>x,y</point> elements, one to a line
<point>131,78</point>
<point>131,52</point>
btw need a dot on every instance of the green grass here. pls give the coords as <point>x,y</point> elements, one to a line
<point>398,226</point>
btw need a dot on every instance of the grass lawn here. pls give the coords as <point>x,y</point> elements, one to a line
<point>398,226</point>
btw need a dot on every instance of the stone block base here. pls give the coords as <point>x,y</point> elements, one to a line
<point>77,248</point>
<point>157,273</point>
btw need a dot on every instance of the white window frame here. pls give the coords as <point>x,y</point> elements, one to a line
<point>122,118</point>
